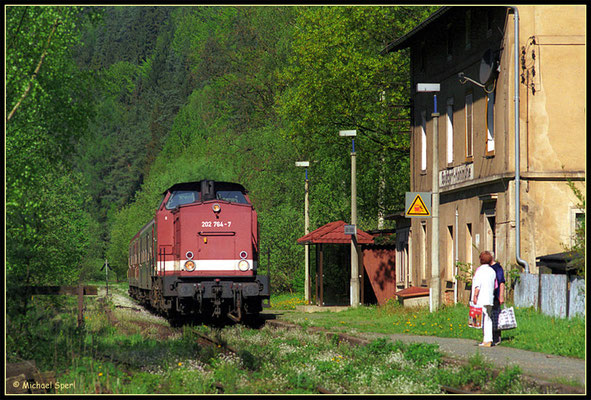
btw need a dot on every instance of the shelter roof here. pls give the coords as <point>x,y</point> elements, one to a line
<point>334,232</point>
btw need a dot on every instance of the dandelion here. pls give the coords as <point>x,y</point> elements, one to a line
<point>100,374</point>
<point>180,363</point>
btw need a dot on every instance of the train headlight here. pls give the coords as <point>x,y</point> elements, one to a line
<point>216,208</point>
<point>243,265</point>
<point>243,255</point>
<point>190,266</point>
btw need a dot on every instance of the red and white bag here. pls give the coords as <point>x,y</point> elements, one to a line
<point>475,317</point>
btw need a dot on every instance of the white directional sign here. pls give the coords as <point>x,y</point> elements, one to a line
<point>350,229</point>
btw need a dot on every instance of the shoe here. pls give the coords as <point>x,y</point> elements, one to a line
<point>497,343</point>
<point>485,344</point>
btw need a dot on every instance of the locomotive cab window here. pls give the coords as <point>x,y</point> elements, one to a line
<point>233,196</point>
<point>181,197</point>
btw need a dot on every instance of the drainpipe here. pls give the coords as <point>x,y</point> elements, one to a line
<point>520,261</point>
<point>456,260</point>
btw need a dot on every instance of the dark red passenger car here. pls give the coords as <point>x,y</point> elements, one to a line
<point>198,256</point>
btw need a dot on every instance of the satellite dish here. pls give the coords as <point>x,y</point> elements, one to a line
<point>488,65</point>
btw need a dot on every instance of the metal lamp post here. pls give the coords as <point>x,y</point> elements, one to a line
<point>354,251</point>
<point>435,279</point>
<point>306,164</point>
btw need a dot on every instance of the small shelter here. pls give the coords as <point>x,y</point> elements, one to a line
<point>377,263</point>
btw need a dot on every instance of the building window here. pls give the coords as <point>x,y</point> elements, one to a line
<point>468,30</point>
<point>450,130</point>
<point>490,234</point>
<point>490,124</point>
<point>469,243</point>
<point>489,24</point>
<point>469,127</point>
<point>423,141</point>
<point>577,222</point>
<point>450,254</point>
<point>423,245</point>
<point>422,56</point>
<point>450,43</point>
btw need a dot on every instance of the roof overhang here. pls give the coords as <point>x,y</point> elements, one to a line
<point>405,41</point>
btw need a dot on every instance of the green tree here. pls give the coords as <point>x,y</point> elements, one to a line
<point>48,230</point>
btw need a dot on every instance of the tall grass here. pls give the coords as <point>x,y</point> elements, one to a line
<point>134,357</point>
<point>535,331</point>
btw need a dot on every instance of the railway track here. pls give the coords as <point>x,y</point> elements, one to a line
<point>224,347</point>
<point>221,346</point>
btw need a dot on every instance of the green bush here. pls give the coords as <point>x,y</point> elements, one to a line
<point>423,353</point>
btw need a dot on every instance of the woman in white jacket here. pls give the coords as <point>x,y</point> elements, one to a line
<point>483,285</point>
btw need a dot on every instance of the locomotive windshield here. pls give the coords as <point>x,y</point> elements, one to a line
<point>233,196</point>
<point>180,197</point>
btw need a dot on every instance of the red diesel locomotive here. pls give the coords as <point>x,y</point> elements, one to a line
<point>198,256</point>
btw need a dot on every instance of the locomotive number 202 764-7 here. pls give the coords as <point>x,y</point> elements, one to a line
<point>216,224</point>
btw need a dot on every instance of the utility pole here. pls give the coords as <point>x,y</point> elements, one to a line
<point>435,279</point>
<point>435,284</point>
<point>306,164</point>
<point>354,251</point>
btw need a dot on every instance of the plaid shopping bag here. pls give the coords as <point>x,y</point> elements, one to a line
<point>475,317</point>
<point>507,319</point>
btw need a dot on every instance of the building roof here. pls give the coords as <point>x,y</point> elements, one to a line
<point>334,232</point>
<point>404,41</point>
<point>558,262</point>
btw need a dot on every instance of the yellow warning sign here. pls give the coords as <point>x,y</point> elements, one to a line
<point>417,208</point>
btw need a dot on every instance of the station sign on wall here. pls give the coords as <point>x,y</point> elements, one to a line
<point>456,175</point>
<point>417,205</point>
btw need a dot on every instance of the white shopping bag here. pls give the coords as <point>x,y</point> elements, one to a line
<point>507,319</point>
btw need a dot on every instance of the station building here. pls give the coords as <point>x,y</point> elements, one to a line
<point>470,52</point>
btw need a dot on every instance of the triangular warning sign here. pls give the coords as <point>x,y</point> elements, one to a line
<point>418,208</point>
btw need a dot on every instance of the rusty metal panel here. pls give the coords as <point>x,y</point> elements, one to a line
<point>380,264</point>
<point>526,291</point>
<point>553,295</point>
<point>577,297</point>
